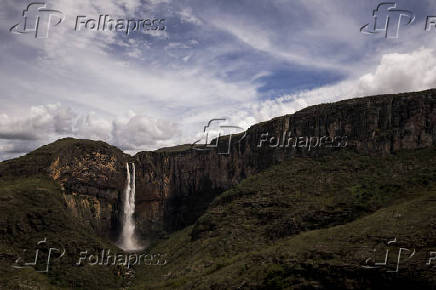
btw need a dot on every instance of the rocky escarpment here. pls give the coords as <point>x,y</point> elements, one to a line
<point>174,187</point>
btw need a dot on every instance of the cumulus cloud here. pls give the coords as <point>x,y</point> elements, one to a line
<point>50,122</point>
<point>91,126</point>
<point>141,131</point>
<point>399,72</point>
<point>41,122</point>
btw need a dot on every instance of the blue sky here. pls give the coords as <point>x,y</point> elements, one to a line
<point>247,61</point>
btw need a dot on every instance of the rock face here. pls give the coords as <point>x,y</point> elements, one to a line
<point>174,187</point>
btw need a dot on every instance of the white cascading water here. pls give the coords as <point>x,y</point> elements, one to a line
<point>128,241</point>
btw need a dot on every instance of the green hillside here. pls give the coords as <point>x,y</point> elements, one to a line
<point>307,223</point>
<point>311,223</point>
<point>32,209</point>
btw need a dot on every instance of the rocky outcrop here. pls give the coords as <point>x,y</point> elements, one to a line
<point>175,186</point>
<point>91,175</point>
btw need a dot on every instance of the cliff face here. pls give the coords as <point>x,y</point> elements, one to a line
<point>174,188</point>
<point>93,182</point>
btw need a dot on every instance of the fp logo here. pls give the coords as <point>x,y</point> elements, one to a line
<point>38,19</point>
<point>41,265</point>
<point>212,135</point>
<point>387,19</point>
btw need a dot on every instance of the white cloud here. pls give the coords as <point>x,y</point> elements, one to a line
<point>91,126</point>
<point>50,122</point>
<point>42,122</point>
<point>401,72</point>
<point>142,132</point>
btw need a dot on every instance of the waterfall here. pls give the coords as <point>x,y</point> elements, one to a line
<point>128,240</point>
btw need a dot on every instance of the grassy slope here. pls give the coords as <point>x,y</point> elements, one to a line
<point>31,209</point>
<point>310,223</point>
